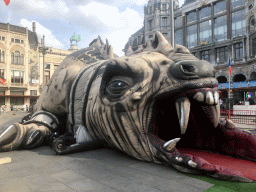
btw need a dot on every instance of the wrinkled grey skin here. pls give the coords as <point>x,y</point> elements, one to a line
<point>127,96</point>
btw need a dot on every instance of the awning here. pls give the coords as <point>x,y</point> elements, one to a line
<point>238,85</point>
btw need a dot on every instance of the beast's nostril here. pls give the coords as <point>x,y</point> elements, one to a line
<point>188,69</point>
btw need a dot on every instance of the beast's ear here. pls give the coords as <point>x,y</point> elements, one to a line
<point>180,49</point>
<point>107,51</point>
<point>159,44</point>
<point>96,43</point>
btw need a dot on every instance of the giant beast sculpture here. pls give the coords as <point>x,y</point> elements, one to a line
<point>151,104</point>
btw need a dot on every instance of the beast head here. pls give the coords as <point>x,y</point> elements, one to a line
<point>160,104</point>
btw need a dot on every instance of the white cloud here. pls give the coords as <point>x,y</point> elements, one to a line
<point>50,40</point>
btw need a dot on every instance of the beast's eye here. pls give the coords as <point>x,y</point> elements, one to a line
<point>117,87</point>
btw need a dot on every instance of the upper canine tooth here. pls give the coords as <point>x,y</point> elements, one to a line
<point>183,108</point>
<point>170,145</point>
<point>209,98</point>
<point>199,96</point>
<point>216,97</point>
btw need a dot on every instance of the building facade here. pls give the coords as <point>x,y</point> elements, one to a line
<point>212,30</point>
<point>21,65</point>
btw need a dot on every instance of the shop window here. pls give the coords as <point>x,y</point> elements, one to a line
<point>191,17</point>
<point>219,7</point>
<point>221,55</point>
<point>192,36</point>
<point>178,22</point>
<point>237,3</point>
<point>17,76</point>
<point>205,13</point>
<point>205,33</point>
<point>206,55</point>
<point>238,23</point>
<point>178,37</point>
<point>238,50</point>
<point>17,100</point>
<point>220,28</point>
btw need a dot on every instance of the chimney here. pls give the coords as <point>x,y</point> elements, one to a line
<point>34,27</point>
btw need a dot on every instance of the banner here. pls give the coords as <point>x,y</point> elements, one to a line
<point>2,80</point>
<point>7,2</point>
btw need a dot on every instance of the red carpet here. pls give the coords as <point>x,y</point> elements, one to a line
<point>247,168</point>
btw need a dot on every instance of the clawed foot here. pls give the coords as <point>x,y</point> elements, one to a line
<point>17,136</point>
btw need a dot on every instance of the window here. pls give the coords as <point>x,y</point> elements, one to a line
<point>16,58</point>
<point>237,3</point>
<point>17,100</point>
<point>220,7</point>
<point>46,76</point>
<point>178,37</point>
<point>205,29</point>
<point>3,38</point>
<point>206,55</point>
<point>33,92</point>
<point>48,66</point>
<point>191,17</point>
<point>192,36</point>
<point>238,23</point>
<point>2,73</point>
<point>12,40</point>
<point>150,24</point>
<point>164,21</point>
<point>17,76</point>
<point>220,28</point>
<point>2,54</point>
<point>164,8</point>
<point>205,13</point>
<point>17,41</point>
<point>238,50</point>
<point>254,47</point>
<point>221,55</point>
<point>150,10</point>
<point>21,41</point>
<point>178,22</point>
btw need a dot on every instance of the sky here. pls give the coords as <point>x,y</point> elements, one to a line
<point>58,20</point>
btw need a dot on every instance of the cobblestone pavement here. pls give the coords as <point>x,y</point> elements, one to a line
<point>98,170</point>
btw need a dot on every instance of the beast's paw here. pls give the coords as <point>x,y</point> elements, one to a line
<point>17,136</point>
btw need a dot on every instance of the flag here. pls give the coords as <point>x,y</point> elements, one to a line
<point>229,63</point>
<point>2,80</point>
<point>7,2</point>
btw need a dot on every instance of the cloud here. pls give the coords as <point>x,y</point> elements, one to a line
<point>50,40</point>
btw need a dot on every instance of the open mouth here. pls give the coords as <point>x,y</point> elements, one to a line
<point>186,130</point>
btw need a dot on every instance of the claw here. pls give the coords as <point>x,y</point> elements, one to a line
<point>32,137</point>
<point>8,134</point>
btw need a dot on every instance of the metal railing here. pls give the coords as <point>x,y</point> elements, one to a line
<point>247,117</point>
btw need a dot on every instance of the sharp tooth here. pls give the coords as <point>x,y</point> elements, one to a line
<point>183,109</point>
<point>216,97</point>
<point>170,145</point>
<point>209,98</point>
<point>213,113</point>
<point>199,96</point>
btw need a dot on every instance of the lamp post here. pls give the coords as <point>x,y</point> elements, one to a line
<point>172,23</point>
<point>43,50</point>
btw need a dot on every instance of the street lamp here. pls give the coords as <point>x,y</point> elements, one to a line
<point>172,24</point>
<point>43,50</point>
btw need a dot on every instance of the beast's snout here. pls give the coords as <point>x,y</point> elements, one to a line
<point>192,69</point>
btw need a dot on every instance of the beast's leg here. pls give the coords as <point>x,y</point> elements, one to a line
<point>30,134</point>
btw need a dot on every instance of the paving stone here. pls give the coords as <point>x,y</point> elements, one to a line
<point>90,185</point>
<point>13,185</point>
<point>68,176</point>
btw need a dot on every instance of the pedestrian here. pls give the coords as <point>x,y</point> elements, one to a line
<point>3,108</point>
<point>221,104</point>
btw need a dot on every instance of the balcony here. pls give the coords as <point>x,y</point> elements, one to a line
<point>17,85</point>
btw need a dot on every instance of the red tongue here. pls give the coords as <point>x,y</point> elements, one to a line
<point>247,168</point>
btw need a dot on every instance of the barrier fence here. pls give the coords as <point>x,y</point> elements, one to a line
<point>240,116</point>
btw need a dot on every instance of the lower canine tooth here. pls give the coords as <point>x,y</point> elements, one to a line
<point>170,145</point>
<point>192,163</point>
<point>183,109</point>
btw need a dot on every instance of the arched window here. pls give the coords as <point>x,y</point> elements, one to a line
<point>239,78</point>
<point>12,55</point>
<point>1,56</point>
<point>16,57</point>
<point>222,79</point>
<point>22,59</point>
